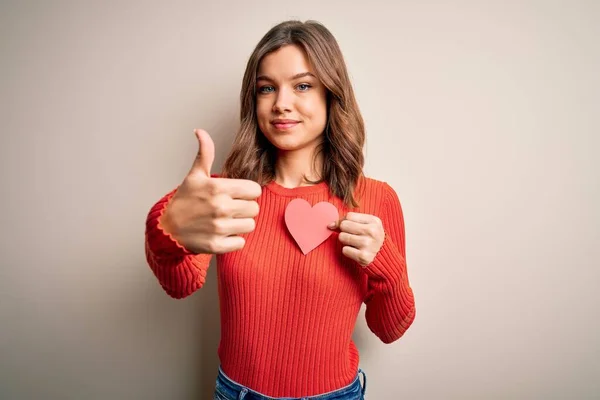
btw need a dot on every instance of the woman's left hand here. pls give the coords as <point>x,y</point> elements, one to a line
<point>362,236</point>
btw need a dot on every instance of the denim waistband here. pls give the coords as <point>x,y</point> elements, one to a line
<point>242,392</point>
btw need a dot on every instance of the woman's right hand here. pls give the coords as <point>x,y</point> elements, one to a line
<point>207,214</point>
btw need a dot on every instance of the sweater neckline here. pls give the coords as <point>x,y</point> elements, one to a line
<point>297,191</point>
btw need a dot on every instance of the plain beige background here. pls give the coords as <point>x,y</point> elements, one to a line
<point>482,115</point>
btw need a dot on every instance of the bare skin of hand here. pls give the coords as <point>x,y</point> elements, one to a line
<point>362,236</point>
<point>206,214</point>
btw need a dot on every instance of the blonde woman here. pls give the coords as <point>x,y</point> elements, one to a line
<point>302,237</point>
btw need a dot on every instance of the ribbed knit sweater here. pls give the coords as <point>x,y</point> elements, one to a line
<point>287,318</point>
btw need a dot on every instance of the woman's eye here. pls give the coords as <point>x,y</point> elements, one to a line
<point>303,87</point>
<point>265,89</point>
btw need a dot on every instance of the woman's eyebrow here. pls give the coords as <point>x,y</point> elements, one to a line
<point>297,76</point>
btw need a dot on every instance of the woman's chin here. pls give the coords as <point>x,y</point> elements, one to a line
<point>284,142</point>
<point>286,146</point>
<point>290,141</point>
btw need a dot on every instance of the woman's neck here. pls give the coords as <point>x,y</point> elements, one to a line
<point>292,167</point>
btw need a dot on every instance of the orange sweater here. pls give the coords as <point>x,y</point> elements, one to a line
<point>287,318</point>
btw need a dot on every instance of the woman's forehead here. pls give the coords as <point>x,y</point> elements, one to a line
<point>285,63</point>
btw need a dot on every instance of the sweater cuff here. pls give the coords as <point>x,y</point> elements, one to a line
<point>161,243</point>
<point>388,265</point>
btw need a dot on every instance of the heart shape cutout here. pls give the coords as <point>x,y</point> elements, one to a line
<point>308,225</point>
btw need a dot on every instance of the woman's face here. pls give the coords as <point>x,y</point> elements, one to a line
<point>291,102</point>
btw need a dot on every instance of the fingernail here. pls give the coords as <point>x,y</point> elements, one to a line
<point>331,225</point>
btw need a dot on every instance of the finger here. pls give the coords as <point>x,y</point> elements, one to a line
<point>356,228</point>
<point>234,226</point>
<point>242,189</point>
<point>354,254</point>
<point>243,208</point>
<point>205,156</point>
<point>334,225</point>
<point>228,243</point>
<point>362,218</point>
<point>224,206</point>
<point>351,240</point>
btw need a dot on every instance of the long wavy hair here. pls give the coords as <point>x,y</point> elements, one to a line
<point>253,157</point>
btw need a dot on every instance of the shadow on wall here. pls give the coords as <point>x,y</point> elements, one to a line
<point>183,338</point>
<point>209,331</point>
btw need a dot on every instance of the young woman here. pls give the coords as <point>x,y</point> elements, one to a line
<point>290,283</point>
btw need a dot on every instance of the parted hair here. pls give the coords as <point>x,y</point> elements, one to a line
<point>253,157</point>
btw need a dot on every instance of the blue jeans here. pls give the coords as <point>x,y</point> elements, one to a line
<point>227,389</point>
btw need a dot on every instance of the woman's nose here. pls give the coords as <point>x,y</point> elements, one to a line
<point>283,101</point>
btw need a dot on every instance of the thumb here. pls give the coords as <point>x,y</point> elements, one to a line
<point>206,154</point>
<point>335,225</point>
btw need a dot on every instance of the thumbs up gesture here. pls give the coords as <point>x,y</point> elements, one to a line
<point>207,214</point>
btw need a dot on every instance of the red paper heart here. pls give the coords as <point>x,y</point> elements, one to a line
<point>308,225</point>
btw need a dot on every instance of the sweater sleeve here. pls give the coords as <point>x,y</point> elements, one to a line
<point>389,299</point>
<point>179,272</point>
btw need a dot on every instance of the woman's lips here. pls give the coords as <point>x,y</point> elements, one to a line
<point>284,126</point>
